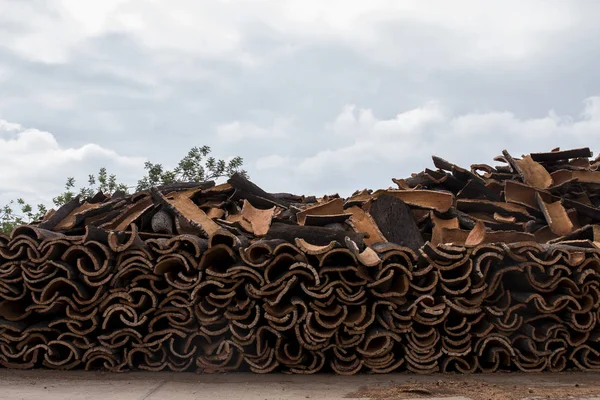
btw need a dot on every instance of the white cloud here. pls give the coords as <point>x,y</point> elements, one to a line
<point>462,31</point>
<point>272,161</point>
<point>358,149</point>
<point>240,130</point>
<point>376,150</point>
<point>359,122</point>
<point>125,73</point>
<point>34,165</point>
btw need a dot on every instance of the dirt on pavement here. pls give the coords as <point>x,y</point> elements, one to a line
<point>77,385</point>
<point>476,388</point>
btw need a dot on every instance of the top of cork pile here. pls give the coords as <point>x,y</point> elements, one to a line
<point>551,197</point>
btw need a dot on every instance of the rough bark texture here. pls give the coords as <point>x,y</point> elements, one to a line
<point>396,223</point>
<point>458,270</point>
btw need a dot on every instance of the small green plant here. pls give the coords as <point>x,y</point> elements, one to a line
<point>9,218</point>
<point>196,166</point>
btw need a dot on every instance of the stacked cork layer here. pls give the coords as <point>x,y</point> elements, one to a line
<point>493,268</point>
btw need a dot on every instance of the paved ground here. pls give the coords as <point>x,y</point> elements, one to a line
<point>53,385</point>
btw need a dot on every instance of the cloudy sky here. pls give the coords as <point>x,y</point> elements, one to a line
<point>318,96</point>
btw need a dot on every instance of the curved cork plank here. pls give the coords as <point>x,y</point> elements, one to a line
<point>316,235</point>
<point>71,219</point>
<point>588,232</point>
<point>459,236</point>
<point>533,173</point>
<point>240,221</point>
<point>477,235</point>
<point>332,207</point>
<point>563,176</point>
<point>559,155</point>
<point>556,216</point>
<point>132,214</point>
<point>439,224</point>
<point>215,213</point>
<point>492,207</point>
<point>326,220</point>
<point>120,241</point>
<point>369,257</point>
<point>183,206</point>
<point>260,220</point>
<point>60,214</point>
<point>363,222</point>
<point>315,249</point>
<point>451,235</point>
<point>504,218</point>
<point>426,199</point>
<point>395,221</point>
<point>476,189</point>
<point>521,194</point>
<point>358,198</point>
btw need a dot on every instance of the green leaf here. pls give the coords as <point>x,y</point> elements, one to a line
<point>195,166</point>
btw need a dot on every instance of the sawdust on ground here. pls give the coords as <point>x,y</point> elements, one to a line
<point>477,390</point>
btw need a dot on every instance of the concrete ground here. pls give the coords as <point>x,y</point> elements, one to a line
<point>55,385</point>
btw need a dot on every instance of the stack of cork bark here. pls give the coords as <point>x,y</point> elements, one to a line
<point>480,269</point>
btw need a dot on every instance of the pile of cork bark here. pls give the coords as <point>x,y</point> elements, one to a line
<point>481,269</point>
